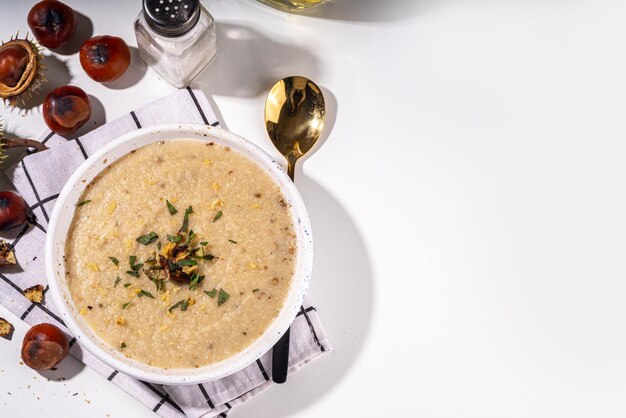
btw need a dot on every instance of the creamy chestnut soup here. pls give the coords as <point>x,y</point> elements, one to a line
<point>181,253</point>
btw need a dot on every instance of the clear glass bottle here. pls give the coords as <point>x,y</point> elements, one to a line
<point>176,38</point>
<point>291,5</point>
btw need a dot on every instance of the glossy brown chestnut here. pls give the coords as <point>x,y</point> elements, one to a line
<point>66,109</point>
<point>13,210</point>
<point>52,23</point>
<point>105,58</point>
<point>13,61</point>
<point>20,69</point>
<point>44,347</point>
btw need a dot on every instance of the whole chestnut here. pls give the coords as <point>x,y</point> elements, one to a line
<point>13,210</point>
<point>65,109</point>
<point>44,347</point>
<point>105,58</point>
<point>52,23</point>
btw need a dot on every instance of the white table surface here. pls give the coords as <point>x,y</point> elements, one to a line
<point>468,205</point>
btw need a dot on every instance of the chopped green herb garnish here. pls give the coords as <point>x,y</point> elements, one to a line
<point>124,306</point>
<point>171,208</point>
<point>190,237</point>
<point>133,273</point>
<point>203,243</point>
<point>222,297</point>
<point>175,238</point>
<point>126,284</point>
<point>211,293</point>
<point>195,282</point>
<point>115,261</point>
<point>187,263</point>
<point>123,345</point>
<point>152,259</point>
<point>159,283</point>
<point>144,293</point>
<point>217,216</point>
<point>148,239</point>
<point>255,290</point>
<point>83,203</point>
<point>117,281</point>
<point>134,266</point>
<point>233,241</point>
<point>159,245</point>
<point>184,304</point>
<point>207,257</point>
<point>176,305</point>
<point>183,228</point>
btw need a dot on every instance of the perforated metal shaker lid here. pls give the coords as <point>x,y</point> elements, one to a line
<point>171,17</point>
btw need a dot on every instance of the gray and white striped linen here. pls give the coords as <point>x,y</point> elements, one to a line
<point>40,177</point>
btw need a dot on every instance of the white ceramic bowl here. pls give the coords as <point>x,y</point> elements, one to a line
<point>64,212</point>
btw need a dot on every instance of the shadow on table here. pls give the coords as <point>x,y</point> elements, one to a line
<point>133,75</point>
<point>248,63</point>
<point>65,370</point>
<point>57,74</point>
<point>343,291</point>
<point>84,31</point>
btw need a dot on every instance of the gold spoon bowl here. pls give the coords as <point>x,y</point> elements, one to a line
<point>294,117</point>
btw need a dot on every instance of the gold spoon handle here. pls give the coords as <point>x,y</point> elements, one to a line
<point>291,166</point>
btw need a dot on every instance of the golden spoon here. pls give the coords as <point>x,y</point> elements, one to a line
<point>294,119</point>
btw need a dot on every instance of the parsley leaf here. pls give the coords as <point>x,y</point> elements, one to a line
<point>183,228</point>
<point>183,304</point>
<point>124,306</point>
<point>144,293</point>
<point>123,345</point>
<point>134,266</point>
<point>83,203</point>
<point>195,282</point>
<point>175,238</point>
<point>117,281</point>
<point>217,216</point>
<point>190,237</point>
<point>114,261</point>
<point>148,238</point>
<point>173,211</point>
<point>232,241</point>
<point>211,293</point>
<point>222,297</point>
<point>159,283</point>
<point>133,273</point>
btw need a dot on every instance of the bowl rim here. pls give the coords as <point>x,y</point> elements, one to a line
<point>65,208</point>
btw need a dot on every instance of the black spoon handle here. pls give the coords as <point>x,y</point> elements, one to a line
<point>280,359</point>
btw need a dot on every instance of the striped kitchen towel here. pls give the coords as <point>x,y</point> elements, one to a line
<point>39,178</point>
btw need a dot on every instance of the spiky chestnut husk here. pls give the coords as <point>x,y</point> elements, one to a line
<point>30,78</point>
<point>6,143</point>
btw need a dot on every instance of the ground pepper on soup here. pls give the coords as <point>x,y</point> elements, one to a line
<point>181,253</point>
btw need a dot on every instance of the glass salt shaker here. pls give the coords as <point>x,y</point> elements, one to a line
<point>176,38</point>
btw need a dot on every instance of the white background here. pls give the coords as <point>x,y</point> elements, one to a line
<point>468,205</point>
